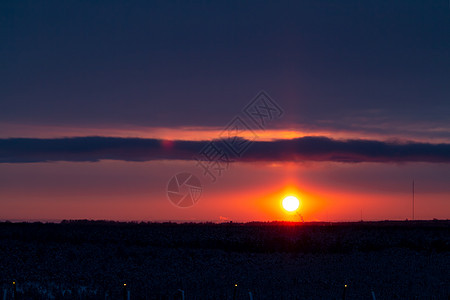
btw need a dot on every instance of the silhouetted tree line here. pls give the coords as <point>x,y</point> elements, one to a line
<point>247,237</point>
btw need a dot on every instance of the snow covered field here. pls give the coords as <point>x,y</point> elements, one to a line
<point>86,260</point>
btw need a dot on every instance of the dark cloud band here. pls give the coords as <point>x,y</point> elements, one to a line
<point>91,149</point>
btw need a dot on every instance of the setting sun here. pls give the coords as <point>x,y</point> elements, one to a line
<point>290,203</point>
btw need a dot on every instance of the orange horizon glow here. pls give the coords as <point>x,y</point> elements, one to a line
<point>125,191</point>
<point>135,191</point>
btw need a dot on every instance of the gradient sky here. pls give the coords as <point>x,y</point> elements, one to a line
<point>364,88</point>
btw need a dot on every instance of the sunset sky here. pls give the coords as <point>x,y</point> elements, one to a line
<point>339,103</point>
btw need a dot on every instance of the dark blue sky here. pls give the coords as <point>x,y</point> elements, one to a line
<point>377,65</point>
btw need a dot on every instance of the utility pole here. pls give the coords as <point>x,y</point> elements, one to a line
<point>413,200</point>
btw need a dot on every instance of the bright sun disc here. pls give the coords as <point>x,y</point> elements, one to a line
<point>290,203</point>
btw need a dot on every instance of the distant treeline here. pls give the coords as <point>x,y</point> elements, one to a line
<point>255,237</point>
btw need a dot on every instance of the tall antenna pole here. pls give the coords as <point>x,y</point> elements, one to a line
<point>413,200</point>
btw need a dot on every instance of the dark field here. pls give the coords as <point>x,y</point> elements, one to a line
<point>86,260</point>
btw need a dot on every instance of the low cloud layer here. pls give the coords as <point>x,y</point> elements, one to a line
<point>92,149</point>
